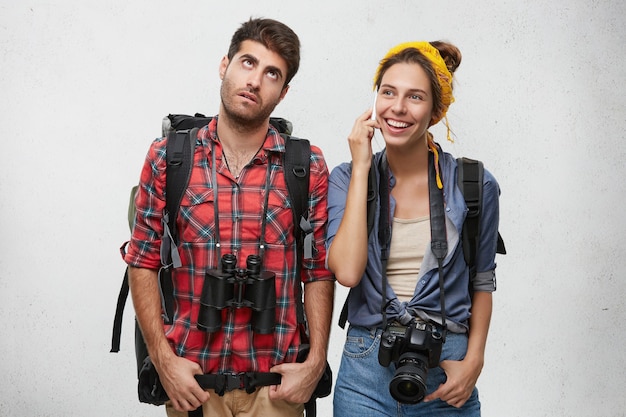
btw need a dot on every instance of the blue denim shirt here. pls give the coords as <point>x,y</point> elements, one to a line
<point>364,300</point>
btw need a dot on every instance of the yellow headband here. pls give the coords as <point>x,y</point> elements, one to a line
<point>443,75</point>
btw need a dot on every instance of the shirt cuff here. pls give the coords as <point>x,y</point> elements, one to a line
<point>485,281</point>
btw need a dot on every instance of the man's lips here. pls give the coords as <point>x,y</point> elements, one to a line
<point>248,96</point>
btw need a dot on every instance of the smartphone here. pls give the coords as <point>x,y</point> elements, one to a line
<point>374,106</point>
<point>373,117</point>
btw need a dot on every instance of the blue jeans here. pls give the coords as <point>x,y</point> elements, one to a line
<point>362,387</point>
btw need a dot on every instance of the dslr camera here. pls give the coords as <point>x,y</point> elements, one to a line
<point>413,349</point>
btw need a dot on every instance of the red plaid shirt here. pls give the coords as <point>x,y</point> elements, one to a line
<point>235,348</point>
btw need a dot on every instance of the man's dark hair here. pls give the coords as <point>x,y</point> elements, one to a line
<point>275,36</point>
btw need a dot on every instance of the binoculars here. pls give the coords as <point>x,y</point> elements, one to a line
<point>232,287</point>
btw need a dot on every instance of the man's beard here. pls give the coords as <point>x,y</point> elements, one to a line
<point>243,118</point>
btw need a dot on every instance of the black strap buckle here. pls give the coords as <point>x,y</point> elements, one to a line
<point>230,382</point>
<point>238,381</point>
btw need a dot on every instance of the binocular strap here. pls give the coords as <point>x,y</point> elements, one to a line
<point>218,244</point>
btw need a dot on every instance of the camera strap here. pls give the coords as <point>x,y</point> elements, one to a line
<point>439,242</point>
<point>384,229</point>
<point>438,236</point>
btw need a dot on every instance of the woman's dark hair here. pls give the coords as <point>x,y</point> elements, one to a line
<point>275,36</point>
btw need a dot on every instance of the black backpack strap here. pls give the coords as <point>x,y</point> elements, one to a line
<point>470,181</point>
<point>124,290</point>
<point>296,168</point>
<point>343,316</point>
<point>180,150</point>
<point>372,195</point>
<point>500,248</point>
<point>119,313</point>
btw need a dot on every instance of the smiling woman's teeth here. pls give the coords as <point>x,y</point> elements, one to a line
<point>395,123</point>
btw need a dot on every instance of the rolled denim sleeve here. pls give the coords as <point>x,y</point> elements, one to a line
<point>337,193</point>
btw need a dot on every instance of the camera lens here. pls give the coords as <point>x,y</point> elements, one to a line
<point>408,385</point>
<point>407,389</point>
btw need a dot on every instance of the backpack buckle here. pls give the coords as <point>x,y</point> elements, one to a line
<point>229,382</point>
<point>472,212</point>
<point>235,381</point>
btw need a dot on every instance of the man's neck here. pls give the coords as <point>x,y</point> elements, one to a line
<point>240,143</point>
<point>239,138</point>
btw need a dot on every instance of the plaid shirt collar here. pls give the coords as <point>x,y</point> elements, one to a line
<point>273,140</point>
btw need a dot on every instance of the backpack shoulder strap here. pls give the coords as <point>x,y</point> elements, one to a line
<point>296,167</point>
<point>180,149</point>
<point>372,196</point>
<point>297,173</point>
<point>470,181</point>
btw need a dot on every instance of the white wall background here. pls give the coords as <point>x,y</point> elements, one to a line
<point>540,99</point>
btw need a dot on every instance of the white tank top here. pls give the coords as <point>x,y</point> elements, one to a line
<point>409,241</point>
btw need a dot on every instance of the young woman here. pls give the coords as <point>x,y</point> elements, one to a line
<point>431,321</point>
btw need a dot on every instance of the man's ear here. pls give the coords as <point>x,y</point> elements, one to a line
<point>223,65</point>
<point>283,93</point>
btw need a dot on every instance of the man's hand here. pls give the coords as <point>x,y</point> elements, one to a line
<point>177,377</point>
<point>298,382</point>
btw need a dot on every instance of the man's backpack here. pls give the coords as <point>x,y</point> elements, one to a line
<point>470,181</point>
<point>181,131</point>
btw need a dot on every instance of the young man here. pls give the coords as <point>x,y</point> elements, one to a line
<point>238,176</point>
